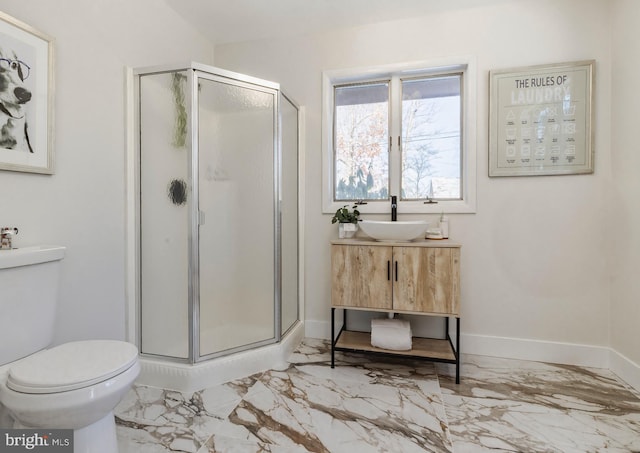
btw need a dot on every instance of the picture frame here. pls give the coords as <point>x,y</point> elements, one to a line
<point>26,105</point>
<point>540,120</point>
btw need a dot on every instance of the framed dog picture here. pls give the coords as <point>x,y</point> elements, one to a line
<point>26,98</point>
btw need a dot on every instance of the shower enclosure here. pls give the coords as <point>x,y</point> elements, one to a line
<point>217,212</point>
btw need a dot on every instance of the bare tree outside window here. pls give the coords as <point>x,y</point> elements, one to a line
<point>418,154</point>
<point>431,146</point>
<point>361,136</point>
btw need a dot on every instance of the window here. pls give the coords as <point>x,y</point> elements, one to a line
<point>430,141</point>
<point>405,130</point>
<point>361,141</point>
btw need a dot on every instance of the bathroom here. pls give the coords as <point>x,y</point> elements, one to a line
<point>547,263</point>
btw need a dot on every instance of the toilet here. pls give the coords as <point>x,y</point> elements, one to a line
<point>74,385</point>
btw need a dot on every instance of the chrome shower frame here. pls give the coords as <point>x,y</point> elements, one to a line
<point>195,72</point>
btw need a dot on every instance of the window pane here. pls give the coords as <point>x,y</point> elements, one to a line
<point>361,137</point>
<point>431,146</point>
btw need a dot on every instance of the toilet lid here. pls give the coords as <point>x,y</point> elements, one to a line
<point>72,366</point>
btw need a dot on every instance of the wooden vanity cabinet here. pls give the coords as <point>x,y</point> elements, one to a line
<point>421,278</point>
<point>361,276</point>
<point>426,279</point>
<point>396,278</point>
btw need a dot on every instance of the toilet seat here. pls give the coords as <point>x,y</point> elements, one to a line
<point>72,366</point>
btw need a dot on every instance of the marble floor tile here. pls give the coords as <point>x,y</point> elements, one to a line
<point>370,404</point>
<point>156,420</point>
<point>511,405</point>
<point>304,408</point>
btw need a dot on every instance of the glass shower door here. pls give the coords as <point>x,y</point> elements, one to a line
<point>237,232</point>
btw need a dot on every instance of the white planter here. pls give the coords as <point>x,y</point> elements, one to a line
<point>347,230</point>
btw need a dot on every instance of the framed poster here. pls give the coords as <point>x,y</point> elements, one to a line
<point>26,98</point>
<point>540,120</point>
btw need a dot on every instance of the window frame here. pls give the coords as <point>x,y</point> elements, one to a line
<point>396,73</point>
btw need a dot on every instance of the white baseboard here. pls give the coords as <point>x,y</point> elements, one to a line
<point>536,350</point>
<point>554,352</point>
<point>506,347</point>
<point>526,349</point>
<point>317,329</point>
<point>625,369</point>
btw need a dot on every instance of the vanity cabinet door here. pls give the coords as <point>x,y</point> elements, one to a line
<point>361,276</point>
<point>426,280</point>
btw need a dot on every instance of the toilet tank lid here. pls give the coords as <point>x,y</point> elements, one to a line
<point>71,366</point>
<point>26,256</point>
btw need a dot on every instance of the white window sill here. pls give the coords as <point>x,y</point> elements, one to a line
<point>406,207</point>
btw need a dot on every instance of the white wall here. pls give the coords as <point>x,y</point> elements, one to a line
<point>82,206</point>
<point>535,255</point>
<point>539,258</point>
<point>625,235</point>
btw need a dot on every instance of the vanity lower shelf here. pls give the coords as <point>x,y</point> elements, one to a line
<point>430,349</point>
<point>425,348</point>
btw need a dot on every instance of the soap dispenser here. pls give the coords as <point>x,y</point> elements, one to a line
<point>444,226</point>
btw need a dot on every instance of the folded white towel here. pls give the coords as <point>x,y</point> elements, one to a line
<point>393,334</point>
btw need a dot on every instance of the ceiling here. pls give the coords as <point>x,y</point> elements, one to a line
<point>226,21</point>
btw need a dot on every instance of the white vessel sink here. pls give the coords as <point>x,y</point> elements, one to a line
<point>405,231</point>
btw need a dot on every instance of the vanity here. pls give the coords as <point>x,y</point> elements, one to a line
<point>418,278</point>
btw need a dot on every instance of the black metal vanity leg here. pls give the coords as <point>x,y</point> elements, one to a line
<point>333,341</point>
<point>457,350</point>
<point>446,327</point>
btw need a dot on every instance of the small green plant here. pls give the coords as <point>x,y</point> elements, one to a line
<point>178,81</point>
<point>343,215</point>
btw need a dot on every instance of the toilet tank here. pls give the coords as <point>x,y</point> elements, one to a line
<point>29,280</point>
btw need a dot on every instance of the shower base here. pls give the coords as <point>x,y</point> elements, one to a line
<point>190,378</point>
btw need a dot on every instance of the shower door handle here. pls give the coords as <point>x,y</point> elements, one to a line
<point>200,218</point>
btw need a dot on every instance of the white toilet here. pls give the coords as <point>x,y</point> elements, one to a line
<point>75,385</point>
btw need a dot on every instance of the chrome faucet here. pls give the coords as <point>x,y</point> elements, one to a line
<point>6,234</point>
<point>394,208</point>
